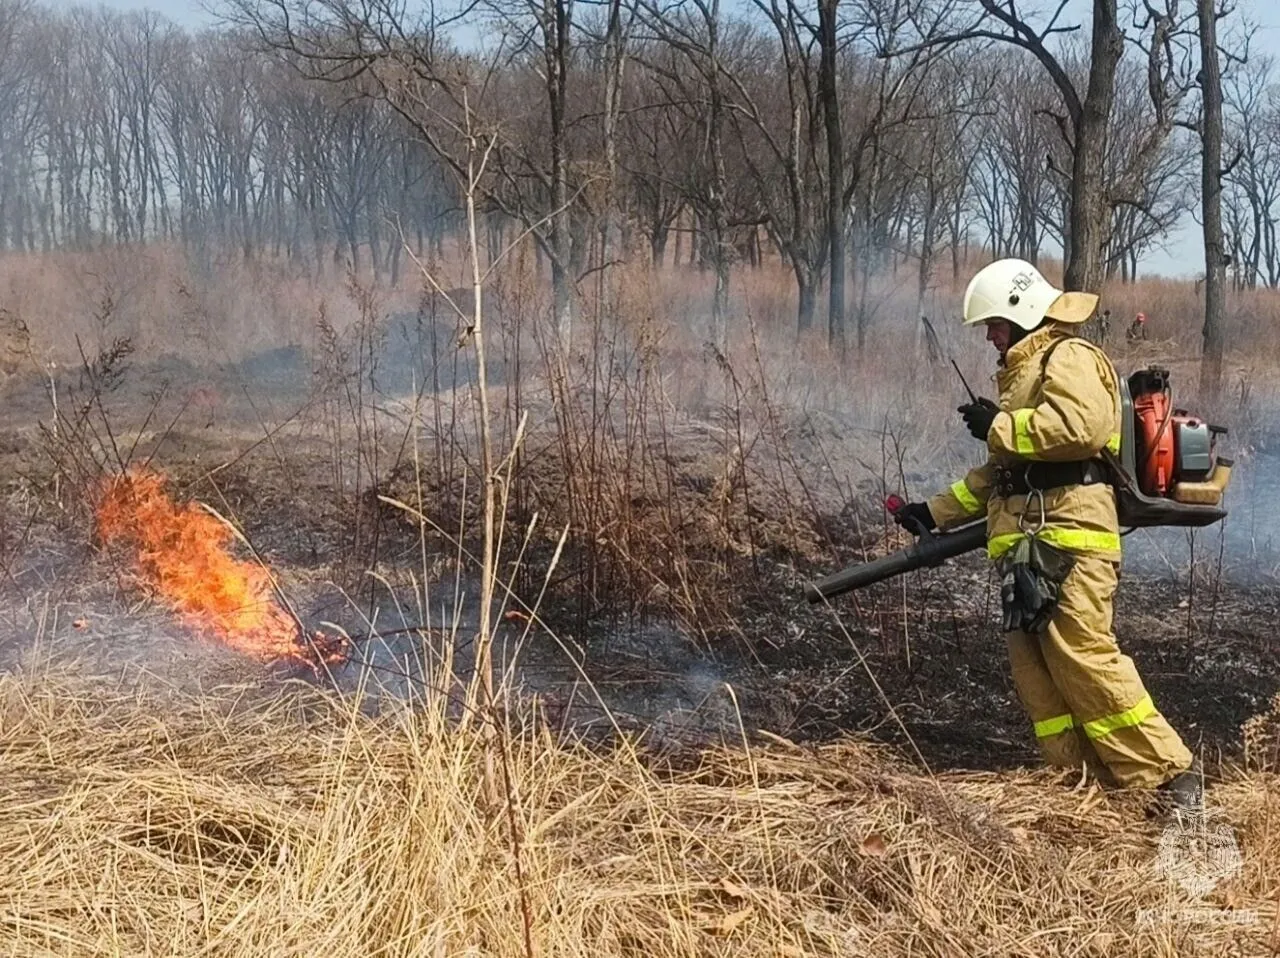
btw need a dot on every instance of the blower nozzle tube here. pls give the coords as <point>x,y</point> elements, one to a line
<point>925,552</point>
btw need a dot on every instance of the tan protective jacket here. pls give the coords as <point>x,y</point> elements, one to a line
<point>1065,410</point>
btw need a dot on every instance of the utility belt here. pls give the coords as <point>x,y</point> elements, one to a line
<point>1032,573</point>
<point>1020,480</point>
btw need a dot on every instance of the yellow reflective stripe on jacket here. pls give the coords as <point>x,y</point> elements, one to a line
<point>968,501</point>
<point>1075,540</point>
<point>1021,438</point>
<point>1054,726</point>
<point>1126,719</point>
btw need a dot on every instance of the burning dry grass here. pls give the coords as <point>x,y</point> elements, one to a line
<point>246,825</point>
<point>181,551</point>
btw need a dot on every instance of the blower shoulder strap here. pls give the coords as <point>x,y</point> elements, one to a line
<point>1119,477</point>
<point>1072,338</point>
<point>1048,354</point>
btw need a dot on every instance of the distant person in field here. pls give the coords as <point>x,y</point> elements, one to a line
<point>1104,326</point>
<point>1053,532</point>
<point>1138,328</point>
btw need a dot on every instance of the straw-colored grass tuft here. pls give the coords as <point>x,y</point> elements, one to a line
<point>238,825</point>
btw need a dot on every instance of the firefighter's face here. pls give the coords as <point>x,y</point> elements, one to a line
<point>1000,335</point>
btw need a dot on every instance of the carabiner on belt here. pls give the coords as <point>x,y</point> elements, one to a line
<point>1032,494</point>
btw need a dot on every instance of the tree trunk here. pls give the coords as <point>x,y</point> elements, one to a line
<point>492,237</point>
<point>375,249</point>
<point>721,249</point>
<point>829,92</point>
<point>614,73</point>
<point>956,238</point>
<point>1211,188</point>
<point>556,50</point>
<point>805,284</point>
<point>862,267</point>
<point>658,245</point>
<point>871,252</point>
<point>1255,249</point>
<point>1090,215</point>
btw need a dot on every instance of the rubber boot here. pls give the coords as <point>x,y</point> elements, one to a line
<point>1182,796</point>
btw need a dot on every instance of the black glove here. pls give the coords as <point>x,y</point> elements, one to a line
<point>978,416</point>
<point>916,518</point>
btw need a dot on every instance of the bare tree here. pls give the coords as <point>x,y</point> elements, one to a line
<point>1083,119</point>
<point>837,200</point>
<point>658,158</point>
<point>942,150</point>
<point>1147,169</point>
<point>782,147</point>
<point>620,17</point>
<point>20,109</point>
<point>1251,191</point>
<point>695,31</point>
<point>545,27</point>
<point>1211,191</point>
<point>890,94</point>
<point>843,128</point>
<point>1014,187</point>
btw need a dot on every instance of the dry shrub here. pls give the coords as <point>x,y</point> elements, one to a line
<point>169,300</point>
<point>204,308</point>
<point>253,822</point>
<point>1262,739</point>
<point>670,460</point>
<point>677,465</point>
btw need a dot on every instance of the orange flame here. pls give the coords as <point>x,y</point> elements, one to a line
<point>182,552</point>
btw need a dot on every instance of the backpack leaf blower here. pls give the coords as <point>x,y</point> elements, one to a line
<point>1167,473</point>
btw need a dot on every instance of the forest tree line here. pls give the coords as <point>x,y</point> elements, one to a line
<point>842,136</point>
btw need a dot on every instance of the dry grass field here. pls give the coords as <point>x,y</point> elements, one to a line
<point>756,778</point>
<point>244,824</point>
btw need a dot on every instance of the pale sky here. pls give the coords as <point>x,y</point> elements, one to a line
<point>1183,255</point>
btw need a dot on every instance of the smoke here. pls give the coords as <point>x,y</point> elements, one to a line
<point>1244,547</point>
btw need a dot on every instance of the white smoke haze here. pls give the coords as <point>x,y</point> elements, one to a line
<point>321,370</point>
<point>258,287</point>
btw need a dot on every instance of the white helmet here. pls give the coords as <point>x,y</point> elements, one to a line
<point>1013,289</point>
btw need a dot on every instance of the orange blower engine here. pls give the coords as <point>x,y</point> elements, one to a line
<point>1168,453</point>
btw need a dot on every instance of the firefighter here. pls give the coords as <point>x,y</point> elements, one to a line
<point>1045,491</point>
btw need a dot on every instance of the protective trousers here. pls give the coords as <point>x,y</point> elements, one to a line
<point>1084,697</point>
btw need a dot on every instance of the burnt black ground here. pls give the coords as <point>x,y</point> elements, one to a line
<point>931,676</point>
<point>1210,665</point>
